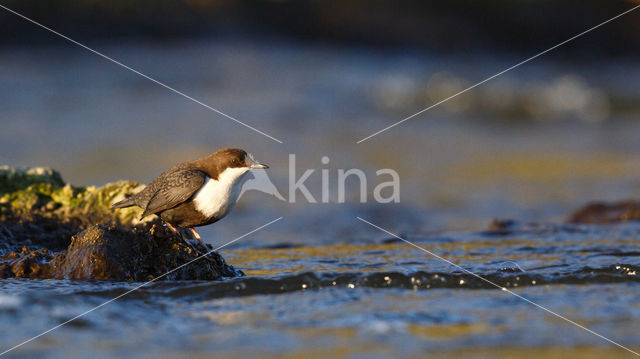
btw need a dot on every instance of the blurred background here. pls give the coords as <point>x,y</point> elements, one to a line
<point>532,144</point>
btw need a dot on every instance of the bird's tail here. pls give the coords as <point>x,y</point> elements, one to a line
<point>128,202</point>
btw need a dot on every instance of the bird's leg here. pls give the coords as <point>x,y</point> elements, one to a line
<point>197,236</point>
<point>174,230</point>
<point>186,241</point>
<point>178,234</point>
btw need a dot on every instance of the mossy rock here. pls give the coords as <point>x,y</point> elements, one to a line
<point>20,178</point>
<point>51,229</point>
<point>24,189</point>
<point>41,192</point>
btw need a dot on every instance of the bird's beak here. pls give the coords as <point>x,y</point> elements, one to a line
<point>253,164</point>
<point>258,165</point>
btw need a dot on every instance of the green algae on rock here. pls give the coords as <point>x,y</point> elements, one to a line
<point>22,189</point>
<point>51,229</point>
<point>40,191</point>
<point>13,179</point>
<point>94,203</point>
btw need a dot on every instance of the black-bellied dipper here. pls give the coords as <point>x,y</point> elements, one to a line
<point>195,193</point>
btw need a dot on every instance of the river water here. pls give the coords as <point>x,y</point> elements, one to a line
<point>320,282</point>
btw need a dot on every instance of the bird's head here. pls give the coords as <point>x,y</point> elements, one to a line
<point>238,158</point>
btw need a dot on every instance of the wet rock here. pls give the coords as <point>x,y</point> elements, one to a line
<point>34,264</point>
<point>601,213</point>
<point>110,253</point>
<point>35,232</point>
<point>26,264</point>
<point>51,229</point>
<point>104,252</point>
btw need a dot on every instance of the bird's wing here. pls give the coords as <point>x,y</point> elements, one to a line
<point>176,188</point>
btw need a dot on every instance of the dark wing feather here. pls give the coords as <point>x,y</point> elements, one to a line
<point>176,188</point>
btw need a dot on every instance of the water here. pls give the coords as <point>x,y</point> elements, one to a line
<point>320,282</point>
<point>381,299</point>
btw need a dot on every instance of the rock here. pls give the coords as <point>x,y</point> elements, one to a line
<point>31,264</point>
<point>500,227</point>
<point>13,179</point>
<point>94,203</point>
<point>40,192</point>
<point>109,253</point>
<point>600,213</point>
<point>51,229</point>
<point>103,252</point>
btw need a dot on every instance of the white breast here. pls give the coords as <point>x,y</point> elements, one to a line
<point>217,197</point>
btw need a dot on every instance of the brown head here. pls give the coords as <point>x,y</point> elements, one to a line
<point>229,158</point>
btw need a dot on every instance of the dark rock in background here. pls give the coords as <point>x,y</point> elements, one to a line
<point>602,213</point>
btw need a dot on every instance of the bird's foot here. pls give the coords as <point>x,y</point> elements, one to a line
<point>198,251</point>
<point>196,235</point>
<point>174,230</point>
<point>186,241</point>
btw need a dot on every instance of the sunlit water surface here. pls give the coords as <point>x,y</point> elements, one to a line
<point>378,299</point>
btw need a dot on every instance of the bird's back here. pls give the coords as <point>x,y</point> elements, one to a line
<point>165,179</point>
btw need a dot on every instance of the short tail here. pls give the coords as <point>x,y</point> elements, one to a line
<point>128,202</point>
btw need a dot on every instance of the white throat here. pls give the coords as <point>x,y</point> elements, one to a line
<point>216,198</point>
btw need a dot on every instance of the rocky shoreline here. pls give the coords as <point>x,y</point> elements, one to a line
<point>51,229</point>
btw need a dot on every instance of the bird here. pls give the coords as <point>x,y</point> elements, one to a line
<point>195,193</point>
